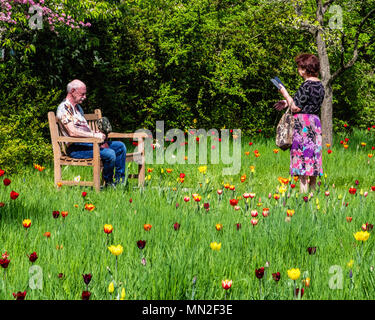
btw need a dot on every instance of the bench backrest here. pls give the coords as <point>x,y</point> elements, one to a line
<point>55,130</point>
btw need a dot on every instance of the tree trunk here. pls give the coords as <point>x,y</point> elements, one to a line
<point>326,112</point>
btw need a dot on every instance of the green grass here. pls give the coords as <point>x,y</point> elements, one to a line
<point>174,258</point>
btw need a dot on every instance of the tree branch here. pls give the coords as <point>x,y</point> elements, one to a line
<point>326,5</point>
<point>356,50</point>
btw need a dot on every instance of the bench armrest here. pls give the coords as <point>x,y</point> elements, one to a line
<point>136,135</point>
<point>85,140</point>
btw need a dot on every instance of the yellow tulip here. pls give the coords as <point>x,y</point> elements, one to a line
<point>116,250</point>
<point>215,246</point>
<point>122,294</point>
<point>294,274</point>
<point>111,287</point>
<point>361,235</point>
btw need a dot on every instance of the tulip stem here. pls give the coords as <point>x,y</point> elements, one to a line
<point>260,289</point>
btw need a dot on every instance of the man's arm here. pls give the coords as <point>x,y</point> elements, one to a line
<point>72,131</point>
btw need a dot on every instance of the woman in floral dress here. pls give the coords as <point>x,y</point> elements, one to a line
<point>306,150</point>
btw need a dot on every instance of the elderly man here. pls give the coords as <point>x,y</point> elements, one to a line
<point>74,124</point>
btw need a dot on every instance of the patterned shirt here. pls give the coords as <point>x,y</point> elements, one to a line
<point>309,97</point>
<point>67,113</point>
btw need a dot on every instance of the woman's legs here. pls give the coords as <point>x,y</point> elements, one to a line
<point>303,187</point>
<point>306,182</point>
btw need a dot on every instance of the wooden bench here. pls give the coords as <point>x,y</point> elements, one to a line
<point>62,159</point>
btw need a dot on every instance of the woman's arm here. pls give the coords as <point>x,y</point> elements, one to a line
<point>289,100</point>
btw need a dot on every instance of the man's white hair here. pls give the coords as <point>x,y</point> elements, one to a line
<point>75,84</point>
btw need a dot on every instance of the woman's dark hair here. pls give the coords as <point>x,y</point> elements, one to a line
<point>308,62</point>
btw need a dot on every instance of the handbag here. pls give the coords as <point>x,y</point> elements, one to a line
<point>284,130</point>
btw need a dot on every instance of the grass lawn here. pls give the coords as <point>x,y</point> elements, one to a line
<point>181,264</point>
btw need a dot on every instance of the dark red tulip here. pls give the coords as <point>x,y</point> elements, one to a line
<point>19,295</point>
<point>305,198</point>
<point>6,182</point>
<point>176,226</point>
<point>60,275</point>
<point>311,250</point>
<point>4,262</point>
<point>2,204</point>
<point>86,295</point>
<point>297,292</point>
<point>206,206</point>
<point>356,182</point>
<point>141,244</point>
<point>33,257</point>
<point>87,278</point>
<point>276,276</point>
<point>55,214</point>
<point>238,226</point>
<point>259,273</point>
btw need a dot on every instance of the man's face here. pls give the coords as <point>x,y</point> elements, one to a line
<point>79,94</point>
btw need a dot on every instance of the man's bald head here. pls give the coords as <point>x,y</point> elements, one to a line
<point>75,84</point>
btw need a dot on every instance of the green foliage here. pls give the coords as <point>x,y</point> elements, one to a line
<point>178,61</point>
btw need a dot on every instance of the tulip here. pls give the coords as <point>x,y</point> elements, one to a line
<point>4,262</point>
<point>361,236</point>
<point>1,172</point>
<point>86,295</point>
<point>14,195</point>
<point>311,250</point>
<point>6,182</point>
<point>352,190</point>
<point>116,250</point>
<point>19,295</point>
<point>276,276</point>
<point>84,194</point>
<point>238,226</point>
<point>176,226</point>
<point>47,234</point>
<point>111,288</point>
<point>233,202</point>
<point>290,212</point>
<point>219,192</point>
<point>26,223</point>
<point>254,222</point>
<point>89,207</point>
<point>87,278</point>
<point>141,244</point>
<point>122,297</point>
<point>33,257</point>
<point>206,206</point>
<point>349,219</point>
<point>265,212</point>
<point>108,228</point>
<point>226,284</point>
<point>259,273</point>
<point>294,274</point>
<point>64,213</point>
<point>219,226</point>
<point>55,214</point>
<point>215,246</point>
<point>147,227</point>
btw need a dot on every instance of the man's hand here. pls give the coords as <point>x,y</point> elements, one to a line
<point>280,105</point>
<point>100,135</point>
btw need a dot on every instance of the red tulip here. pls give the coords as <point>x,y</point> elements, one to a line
<point>352,190</point>
<point>33,257</point>
<point>4,263</point>
<point>55,214</point>
<point>87,278</point>
<point>1,172</point>
<point>259,273</point>
<point>19,295</point>
<point>276,276</point>
<point>233,202</point>
<point>86,295</point>
<point>14,195</point>
<point>84,194</point>
<point>6,182</point>
<point>176,226</point>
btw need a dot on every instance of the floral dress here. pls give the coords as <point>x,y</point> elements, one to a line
<point>306,150</point>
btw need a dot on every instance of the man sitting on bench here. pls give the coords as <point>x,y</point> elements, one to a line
<point>74,124</point>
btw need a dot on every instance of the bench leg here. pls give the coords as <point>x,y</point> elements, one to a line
<point>96,167</point>
<point>57,171</point>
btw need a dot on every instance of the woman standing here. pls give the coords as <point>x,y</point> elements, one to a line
<point>306,150</point>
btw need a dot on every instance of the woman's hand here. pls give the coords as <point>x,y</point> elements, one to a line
<point>280,105</point>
